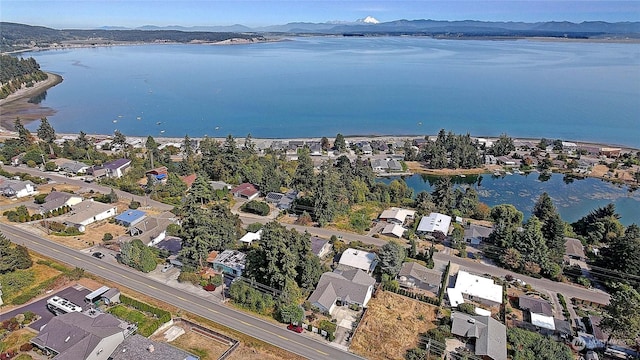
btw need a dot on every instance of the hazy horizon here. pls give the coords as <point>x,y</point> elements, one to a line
<point>62,14</point>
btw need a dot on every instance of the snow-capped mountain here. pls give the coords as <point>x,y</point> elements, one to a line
<point>369,20</point>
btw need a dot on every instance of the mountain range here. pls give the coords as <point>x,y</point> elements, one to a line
<point>468,27</point>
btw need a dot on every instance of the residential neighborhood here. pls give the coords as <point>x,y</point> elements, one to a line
<point>314,254</point>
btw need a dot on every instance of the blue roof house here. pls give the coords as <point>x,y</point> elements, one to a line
<point>130,217</point>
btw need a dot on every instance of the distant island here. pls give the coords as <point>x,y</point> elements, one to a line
<point>20,37</point>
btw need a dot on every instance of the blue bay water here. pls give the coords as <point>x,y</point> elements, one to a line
<point>572,199</point>
<point>320,86</point>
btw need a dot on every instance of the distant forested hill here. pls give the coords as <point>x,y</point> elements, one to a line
<point>18,36</point>
<point>14,73</point>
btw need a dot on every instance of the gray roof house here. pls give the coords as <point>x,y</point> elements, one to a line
<point>74,167</point>
<point>342,288</point>
<point>111,296</point>
<point>16,188</point>
<point>476,234</point>
<point>414,275</point>
<point>80,336</point>
<point>140,347</point>
<point>58,199</point>
<point>320,247</point>
<point>112,169</point>
<point>535,306</point>
<point>88,212</point>
<point>489,334</point>
<point>574,250</point>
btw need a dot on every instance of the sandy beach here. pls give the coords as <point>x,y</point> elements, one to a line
<point>17,105</point>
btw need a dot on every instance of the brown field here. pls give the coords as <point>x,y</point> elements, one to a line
<point>626,175</point>
<point>391,326</point>
<point>206,348</point>
<point>248,353</point>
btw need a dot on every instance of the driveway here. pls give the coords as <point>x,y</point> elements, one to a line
<point>75,294</point>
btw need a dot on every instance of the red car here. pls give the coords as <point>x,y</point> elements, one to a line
<point>296,328</point>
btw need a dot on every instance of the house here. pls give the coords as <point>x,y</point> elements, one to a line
<point>476,234</point>
<point>490,160</point>
<point>358,259</point>
<point>130,217</point>
<point>219,185</point>
<point>111,296</point>
<point>574,250</point>
<point>397,215</point>
<point>140,347</point>
<point>77,335</point>
<point>594,321</point>
<point>393,230</point>
<point>57,199</point>
<point>610,152</point>
<point>88,212</point>
<point>538,312</point>
<point>315,149</point>
<point>229,262</point>
<point>16,188</point>
<point>413,275</point>
<point>386,165</point>
<point>286,202</point>
<point>419,142</point>
<point>117,168</point>
<point>434,222</point>
<point>245,191</point>
<point>394,165</point>
<point>158,175</point>
<point>352,286</point>
<point>488,334</point>
<point>74,167</point>
<point>320,247</point>
<point>189,179</point>
<point>152,229</point>
<point>250,237</point>
<point>474,288</point>
<point>366,148</point>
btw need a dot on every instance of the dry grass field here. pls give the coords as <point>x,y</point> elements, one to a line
<point>391,326</point>
<point>205,347</point>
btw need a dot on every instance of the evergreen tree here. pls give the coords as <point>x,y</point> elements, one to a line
<point>507,219</point>
<point>600,225</point>
<point>46,133</point>
<point>340,144</point>
<point>24,135</point>
<point>623,255</point>
<point>552,226</point>
<point>391,257</point>
<point>622,315</point>
<point>443,194</point>
<point>532,245</point>
<point>304,178</point>
<point>503,146</point>
<point>119,139</point>
<point>201,190</point>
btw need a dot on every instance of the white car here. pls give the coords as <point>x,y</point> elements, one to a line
<point>166,267</point>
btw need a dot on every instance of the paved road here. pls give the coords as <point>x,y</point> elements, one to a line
<point>92,186</point>
<point>268,332</point>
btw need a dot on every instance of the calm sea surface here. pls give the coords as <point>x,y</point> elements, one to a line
<point>573,199</point>
<point>320,86</point>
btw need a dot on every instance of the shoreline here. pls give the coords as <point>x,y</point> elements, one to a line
<point>17,104</point>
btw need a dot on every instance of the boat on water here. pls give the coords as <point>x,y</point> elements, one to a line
<point>463,175</point>
<point>497,173</point>
<point>508,173</point>
<point>161,131</point>
<point>159,122</point>
<point>519,172</point>
<point>115,121</point>
<point>139,118</point>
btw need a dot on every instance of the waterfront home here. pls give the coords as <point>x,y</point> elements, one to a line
<point>476,234</point>
<point>358,259</point>
<point>474,288</point>
<point>488,335</point>
<point>434,222</point>
<point>397,215</point>
<point>415,276</point>
<point>342,288</point>
<point>245,191</point>
<point>610,152</point>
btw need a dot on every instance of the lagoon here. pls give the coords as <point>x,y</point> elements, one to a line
<point>574,198</point>
<point>320,86</point>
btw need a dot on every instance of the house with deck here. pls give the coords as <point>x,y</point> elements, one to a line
<point>342,288</point>
<point>487,335</point>
<point>415,276</point>
<point>434,222</point>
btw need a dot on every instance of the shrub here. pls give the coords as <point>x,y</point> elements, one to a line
<point>26,347</point>
<point>107,237</point>
<point>256,207</point>
<point>189,277</point>
<point>134,204</point>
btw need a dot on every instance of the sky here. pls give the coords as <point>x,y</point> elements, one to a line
<point>86,14</point>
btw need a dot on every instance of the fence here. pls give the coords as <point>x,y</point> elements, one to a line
<point>211,334</point>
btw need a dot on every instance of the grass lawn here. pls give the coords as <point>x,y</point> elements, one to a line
<point>20,281</point>
<point>15,339</point>
<point>206,348</point>
<point>391,326</point>
<point>134,316</point>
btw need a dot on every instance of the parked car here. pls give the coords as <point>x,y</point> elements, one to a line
<point>98,255</point>
<point>296,328</point>
<point>166,267</point>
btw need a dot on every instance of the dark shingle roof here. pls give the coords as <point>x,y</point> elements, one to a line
<point>536,306</point>
<point>139,347</point>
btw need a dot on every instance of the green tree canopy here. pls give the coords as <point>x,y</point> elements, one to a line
<point>391,257</point>
<point>622,315</point>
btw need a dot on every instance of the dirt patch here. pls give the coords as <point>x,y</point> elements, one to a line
<point>205,347</point>
<point>391,326</point>
<point>247,353</point>
<point>15,339</point>
<point>602,171</point>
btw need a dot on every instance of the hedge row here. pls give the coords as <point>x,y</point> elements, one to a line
<point>162,315</point>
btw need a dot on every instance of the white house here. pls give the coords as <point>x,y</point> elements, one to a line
<point>16,188</point>
<point>434,222</point>
<point>474,288</point>
<point>394,230</point>
<point>250,237</point>
<point>397,215</point>
<point>88,212</point>
<point>358,259</point>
